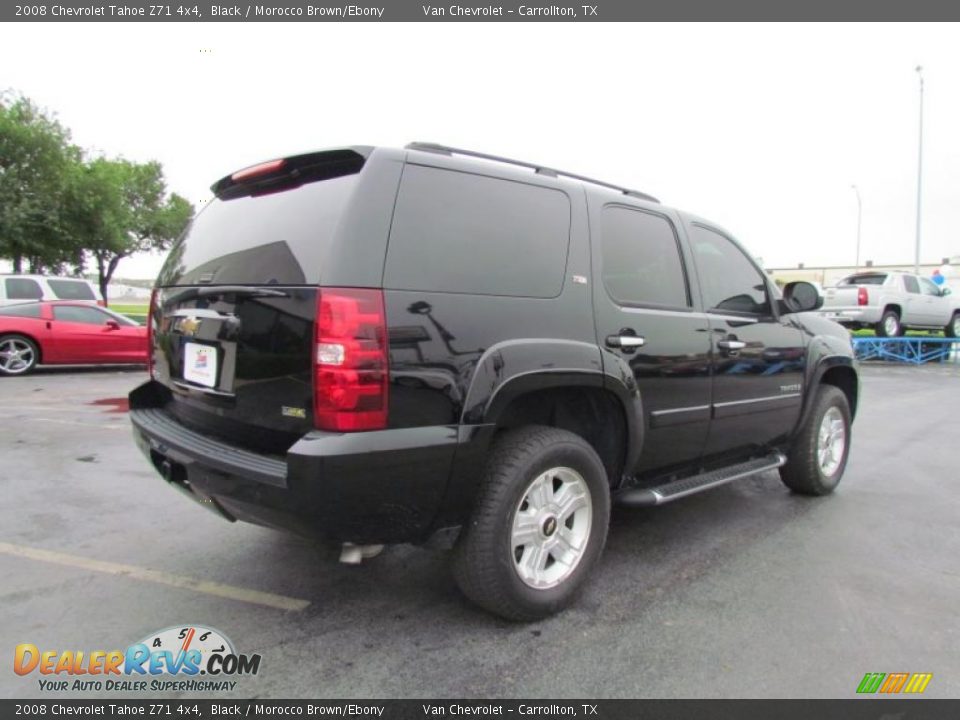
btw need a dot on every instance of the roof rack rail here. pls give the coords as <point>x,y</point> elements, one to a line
<point>539,169</point>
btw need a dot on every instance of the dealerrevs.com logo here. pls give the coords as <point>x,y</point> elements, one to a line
<point>183,658</point>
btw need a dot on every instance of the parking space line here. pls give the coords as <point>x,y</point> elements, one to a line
<point>255,597</point>
<point>118,426</point>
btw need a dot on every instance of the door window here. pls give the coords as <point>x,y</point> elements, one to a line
<point>911,284</point>
<point>928,288</point>
<point>641,259</point>
<point>71,289</point>
<point>85,315</point>
<point>729,281</point>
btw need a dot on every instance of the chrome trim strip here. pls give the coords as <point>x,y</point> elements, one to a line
<point>695,408</point>
<point>757,400</point>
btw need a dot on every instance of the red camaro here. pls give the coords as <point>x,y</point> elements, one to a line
<point>64,333</point>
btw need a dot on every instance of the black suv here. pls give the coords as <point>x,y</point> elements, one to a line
<point>372,345</point>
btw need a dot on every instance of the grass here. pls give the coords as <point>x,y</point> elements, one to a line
<point>135,311</point>
<point>131,309</point>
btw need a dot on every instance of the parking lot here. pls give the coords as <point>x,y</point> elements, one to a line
<point>744,591</point>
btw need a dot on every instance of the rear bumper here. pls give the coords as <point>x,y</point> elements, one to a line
<point>372,487</point>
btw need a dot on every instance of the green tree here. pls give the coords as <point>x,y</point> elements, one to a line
<point>124,208</point>
<point>118,208</point>
<point>59,209</point>
<point>36,157</point>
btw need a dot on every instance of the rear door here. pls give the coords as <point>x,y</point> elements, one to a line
<point>758,358</point>
<point>915,311</point>
<point>647,321</point>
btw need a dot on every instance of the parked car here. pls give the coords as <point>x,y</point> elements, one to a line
<point>15,289</point>
<point>66,333</point>
<point>892,303</point>
<point>431,345</point>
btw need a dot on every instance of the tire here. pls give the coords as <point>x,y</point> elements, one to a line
<point>952,330</point>
<point>549,485</point>
<point>889,325</point>
<point>19,355</point>
<point>811,469</point>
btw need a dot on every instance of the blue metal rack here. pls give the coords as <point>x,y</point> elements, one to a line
<point>913,350</point>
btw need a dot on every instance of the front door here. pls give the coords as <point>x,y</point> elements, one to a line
<point>758,357</point>
<point>937,309</point>
<point>83,336</point>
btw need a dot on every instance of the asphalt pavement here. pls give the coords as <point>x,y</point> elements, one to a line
<point>743,591</point>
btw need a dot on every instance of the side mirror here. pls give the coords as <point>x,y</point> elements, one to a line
<point>944,291</point>
<point>801,297</point>
<point>112,325</point>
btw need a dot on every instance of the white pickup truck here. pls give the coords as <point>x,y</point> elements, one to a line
<point>891,303</point>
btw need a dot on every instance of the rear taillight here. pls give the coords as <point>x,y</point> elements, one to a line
<point>153,306</point>
<point>862,298</point>
<point>350,370</point>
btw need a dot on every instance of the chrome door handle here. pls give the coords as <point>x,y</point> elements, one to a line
<point>625,342</point>
<point>731,344</point>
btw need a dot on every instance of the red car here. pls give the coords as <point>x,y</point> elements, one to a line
<point>66,333</point>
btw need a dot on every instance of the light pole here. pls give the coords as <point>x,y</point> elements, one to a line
<point>916,250</point>
<point>856,267</point>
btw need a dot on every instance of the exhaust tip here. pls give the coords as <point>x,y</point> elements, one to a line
<point>351,554</point>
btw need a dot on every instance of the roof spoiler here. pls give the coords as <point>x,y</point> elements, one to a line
<point>291,172</point>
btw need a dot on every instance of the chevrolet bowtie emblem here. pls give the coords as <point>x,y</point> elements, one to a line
<point>189,326</point>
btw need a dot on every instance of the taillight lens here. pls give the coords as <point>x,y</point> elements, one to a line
<point>153,307</point>
<point>350,370</point>
<point>862,296</point>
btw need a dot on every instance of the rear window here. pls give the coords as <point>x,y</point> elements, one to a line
<point>31,310</point>
<point>277,238</point>
<point>23,289</point>
<point>71,289</point>
<point>464,233</point>
<point>871,279</point>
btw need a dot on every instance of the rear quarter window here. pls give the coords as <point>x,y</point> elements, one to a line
<point>29,311</point>
<point>23,289</point>
<point>463,233</point>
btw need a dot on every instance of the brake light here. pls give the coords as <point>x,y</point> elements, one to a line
<point>862,298</point>
<point>153,305</point>
<point>350,368</point>
<point>255,170</point>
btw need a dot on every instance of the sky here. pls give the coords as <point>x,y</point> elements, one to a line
<point>760,128</point>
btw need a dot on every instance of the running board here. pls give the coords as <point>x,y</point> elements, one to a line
<point>646,497</point>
